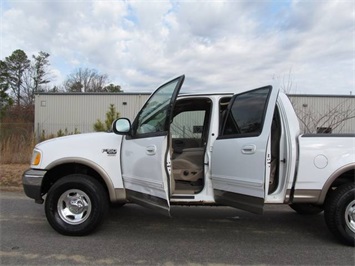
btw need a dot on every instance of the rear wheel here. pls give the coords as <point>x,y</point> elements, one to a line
<point>339,213</point>
<point>76,205</point>
<point>306,208</point>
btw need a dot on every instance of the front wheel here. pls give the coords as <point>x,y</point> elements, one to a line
<point>76,205</point>
<point>339,213</point>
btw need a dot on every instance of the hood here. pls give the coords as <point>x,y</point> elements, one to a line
<point>88,147</point>
<point>74,138</point>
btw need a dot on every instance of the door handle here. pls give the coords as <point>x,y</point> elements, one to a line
<point>151,150</point>
<point>249,149</point>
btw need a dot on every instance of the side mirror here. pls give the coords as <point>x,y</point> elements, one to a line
<point>121,126</point>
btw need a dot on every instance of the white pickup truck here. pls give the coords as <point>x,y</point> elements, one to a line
<point>242,150</point>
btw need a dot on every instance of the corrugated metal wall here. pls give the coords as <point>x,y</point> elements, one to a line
<point>72,113</point>
<point>77,112</point>
<point>184,124</point>
<point>315,111</point>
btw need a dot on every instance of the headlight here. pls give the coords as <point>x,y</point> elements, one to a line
<point>36,157</point>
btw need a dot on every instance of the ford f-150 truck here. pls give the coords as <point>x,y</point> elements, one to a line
<point>242,150</point>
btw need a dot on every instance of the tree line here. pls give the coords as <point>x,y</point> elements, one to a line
<point>22,77</point>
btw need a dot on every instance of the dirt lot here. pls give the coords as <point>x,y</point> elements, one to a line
<point>11,176</point>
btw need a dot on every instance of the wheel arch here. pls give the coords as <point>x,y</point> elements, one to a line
<point>61,168</point>
<point>345,174</point>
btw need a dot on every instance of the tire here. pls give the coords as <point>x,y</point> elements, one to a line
<point>306,208</point>
<point>339,213</point>
<point>76,205</point>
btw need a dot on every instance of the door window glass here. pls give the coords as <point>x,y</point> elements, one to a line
<point>153,116</point>
<point>246,114</point>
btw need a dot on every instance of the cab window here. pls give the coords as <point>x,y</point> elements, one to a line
<point>246,113</point>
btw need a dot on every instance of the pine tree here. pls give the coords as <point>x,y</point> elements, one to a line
<point>111,116</point>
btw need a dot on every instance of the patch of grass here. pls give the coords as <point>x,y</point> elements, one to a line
<point>11,175</point>
<point>16,149</point>
<point>16,142</point>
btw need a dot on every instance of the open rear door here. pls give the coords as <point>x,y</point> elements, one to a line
<point>144,154</point>
<point>240,156</point>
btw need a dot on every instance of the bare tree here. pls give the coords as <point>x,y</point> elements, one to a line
<point>332,117</point>
<point>85,80</point>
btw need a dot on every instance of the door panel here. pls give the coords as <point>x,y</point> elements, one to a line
<point>145,158</point>
<point>240,157</point>
<point>144,174</point>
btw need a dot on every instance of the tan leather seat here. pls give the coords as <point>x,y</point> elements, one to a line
<point>188,166</point>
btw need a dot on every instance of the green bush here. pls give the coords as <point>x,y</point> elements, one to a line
<point>111,116</point>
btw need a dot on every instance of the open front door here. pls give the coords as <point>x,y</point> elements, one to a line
<point>240,156</point>
<point>144,154</point>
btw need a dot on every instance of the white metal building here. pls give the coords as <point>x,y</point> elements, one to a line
<point>77,112</point>
<point>325,113</point>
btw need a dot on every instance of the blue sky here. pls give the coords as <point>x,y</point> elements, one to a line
<point>218,45</point>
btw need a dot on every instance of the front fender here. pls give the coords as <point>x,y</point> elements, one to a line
<point>99,151</point>
<point>116,192</point>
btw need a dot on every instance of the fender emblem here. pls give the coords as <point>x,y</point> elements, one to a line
<point>110,152</point>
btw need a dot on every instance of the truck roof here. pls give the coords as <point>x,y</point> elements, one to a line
<point>205,94</point>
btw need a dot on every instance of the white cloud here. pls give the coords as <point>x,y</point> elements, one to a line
<point>113,11</point>
<point>219,45</point>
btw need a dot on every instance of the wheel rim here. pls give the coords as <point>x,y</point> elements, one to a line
<point>350,216</point>
<point>74,206</point>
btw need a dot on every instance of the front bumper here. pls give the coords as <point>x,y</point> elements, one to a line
<point>32,183</point>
